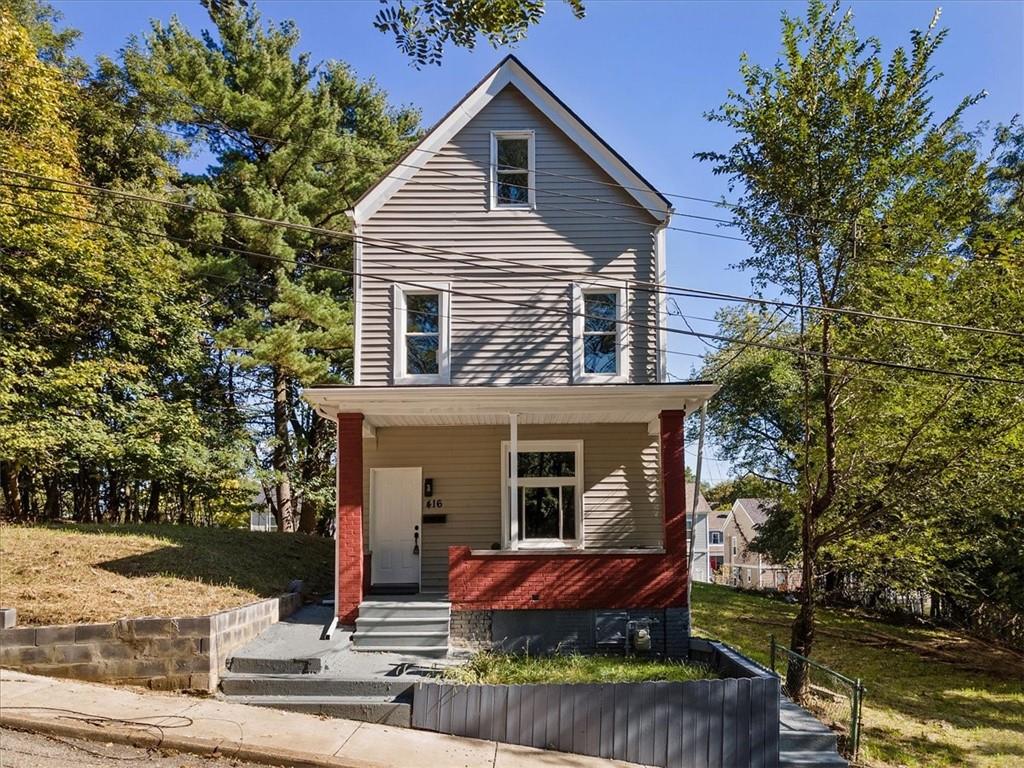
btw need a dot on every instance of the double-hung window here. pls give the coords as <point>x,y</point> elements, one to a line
<point>548,491</point>
<point>512,170</point>
<point>715,537</point>
<point>421,334</point>
<point>600,335</point>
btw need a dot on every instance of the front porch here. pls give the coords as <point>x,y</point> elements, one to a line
<point>591,515</point>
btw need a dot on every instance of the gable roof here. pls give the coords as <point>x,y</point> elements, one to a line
<point>703,508</point>
<point>510,71</point>
<point>755,509</point>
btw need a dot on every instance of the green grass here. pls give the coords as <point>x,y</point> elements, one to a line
<point>64,574</point>
<point>514,669</point>
<point>934,697</point>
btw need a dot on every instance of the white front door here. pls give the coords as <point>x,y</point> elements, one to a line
<point>395,516</point>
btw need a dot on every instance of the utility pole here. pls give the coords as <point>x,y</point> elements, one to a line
<point>696,498</point>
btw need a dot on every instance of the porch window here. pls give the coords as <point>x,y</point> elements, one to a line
<point>600,334</point>
<point>421,334</point>
<point>549,489</point>
<point>512,163</point>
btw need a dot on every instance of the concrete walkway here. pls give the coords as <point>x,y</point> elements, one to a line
<point>208,726</point>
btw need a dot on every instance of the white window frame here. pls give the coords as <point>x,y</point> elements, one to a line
<point>711,537</point>
<point>621,375</point>
<point>399,326</point>
<point>531,446</point>
<point>733,547</point>
<point>531,191</point>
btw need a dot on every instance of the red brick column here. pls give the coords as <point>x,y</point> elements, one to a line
<point>673,485</point>
<point>349,556</point>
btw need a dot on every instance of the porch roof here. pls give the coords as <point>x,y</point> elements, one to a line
<point>412,406</point>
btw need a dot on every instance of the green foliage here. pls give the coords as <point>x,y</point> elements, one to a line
<point>492,668</point>
<point>422,28</point>
<point>856,197</point>
<point>292,141</point>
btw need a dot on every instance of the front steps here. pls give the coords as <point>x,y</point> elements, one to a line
<point>804,740</point>
<point>410,627</point>
<point>379,700</point>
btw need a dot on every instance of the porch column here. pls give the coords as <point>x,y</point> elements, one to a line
<point>673,484</point>
<point>348,592</point>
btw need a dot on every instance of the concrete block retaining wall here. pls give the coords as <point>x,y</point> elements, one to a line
<point>161,653</point>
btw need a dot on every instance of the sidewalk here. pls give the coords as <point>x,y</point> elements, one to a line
<point>209,726</point>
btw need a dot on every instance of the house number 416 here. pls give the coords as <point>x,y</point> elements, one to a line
<point>434,503</point>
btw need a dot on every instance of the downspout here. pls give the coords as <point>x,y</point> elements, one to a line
<point>696,498</point>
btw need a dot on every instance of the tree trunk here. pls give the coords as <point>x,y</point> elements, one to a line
<point>51,509</point>
<point>802,635</point>
<point>282,453</point>
<point>113,497</point>
<point>312,466</point>
<point>153,507</point>
<point>12,494</point>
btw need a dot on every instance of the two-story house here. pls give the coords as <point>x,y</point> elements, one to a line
<point>511,448</point>
<point>742,566</point>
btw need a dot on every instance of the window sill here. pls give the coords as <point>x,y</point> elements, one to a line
<point>565,552</point>
<point>426,379</point>
<point>518,211</point>
<point>600,378</point>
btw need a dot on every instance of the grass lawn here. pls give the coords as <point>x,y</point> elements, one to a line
<point>64,574</point>
<point>934,697</point>
<point>513,669</point>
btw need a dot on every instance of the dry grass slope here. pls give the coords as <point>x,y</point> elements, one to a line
<point>93,573</point>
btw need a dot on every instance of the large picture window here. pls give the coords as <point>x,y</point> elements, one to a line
<point>421,325</point>
<point>548,488</point>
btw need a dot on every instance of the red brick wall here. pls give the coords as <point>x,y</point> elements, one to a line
<point>567,580</point>
<point>350,517</point>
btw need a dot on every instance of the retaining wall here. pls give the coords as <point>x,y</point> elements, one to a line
<point>161,653</point>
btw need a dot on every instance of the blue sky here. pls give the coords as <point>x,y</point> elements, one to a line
<point>641,74</point>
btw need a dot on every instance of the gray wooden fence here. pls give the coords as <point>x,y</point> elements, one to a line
<point>699,724</point>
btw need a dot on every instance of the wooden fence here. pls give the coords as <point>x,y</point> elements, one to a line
<point>700,724</point>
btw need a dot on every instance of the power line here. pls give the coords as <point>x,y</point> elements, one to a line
<point>628,323</point>
<point>643,286</point>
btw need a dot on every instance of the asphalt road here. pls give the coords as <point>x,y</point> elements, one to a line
<point>35,750</point>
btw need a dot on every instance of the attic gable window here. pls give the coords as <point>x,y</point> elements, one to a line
<point>512,170</point>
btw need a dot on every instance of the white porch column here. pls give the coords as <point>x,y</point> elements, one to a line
<point>513,480</point>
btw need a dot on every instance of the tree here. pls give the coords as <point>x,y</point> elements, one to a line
<point>853,196</point>
<point>423,29</point>
<point>291,141</point>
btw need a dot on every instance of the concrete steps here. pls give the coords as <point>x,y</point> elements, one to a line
<point>804,740</point>
<point>368,709</point>
<point>412,627</point>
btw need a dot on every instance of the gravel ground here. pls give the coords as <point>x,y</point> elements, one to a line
<point>35,750</point>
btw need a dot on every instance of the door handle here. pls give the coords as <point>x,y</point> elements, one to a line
<point>416,540</point>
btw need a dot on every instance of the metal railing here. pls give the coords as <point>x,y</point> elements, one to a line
<point>833,697</point>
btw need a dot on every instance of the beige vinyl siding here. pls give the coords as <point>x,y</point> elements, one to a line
<point>620,498</point>
<point>494,342</point>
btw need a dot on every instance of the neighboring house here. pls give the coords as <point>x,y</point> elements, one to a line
<point>744,568</point>
<point>716,541</point>
<point>699,570</point>
<point>511,424</point>
<point>262,520</point>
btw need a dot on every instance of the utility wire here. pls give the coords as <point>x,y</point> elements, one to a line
<point>628,323</point>
<point>632,284</point>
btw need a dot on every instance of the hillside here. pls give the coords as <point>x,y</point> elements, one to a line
<point>934,697</point>
<point>95,573</point>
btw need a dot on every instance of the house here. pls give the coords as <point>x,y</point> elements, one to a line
<point>744,568</point>
<point>716,541</point>
<point>511,452</point>
<point>700,569</point>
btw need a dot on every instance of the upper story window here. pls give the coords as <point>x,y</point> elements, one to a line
<point>421,334</point>
<point>600,335</point>
<point>715,537</point>
<point>512,170</point>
